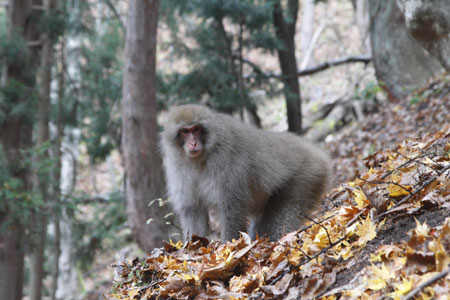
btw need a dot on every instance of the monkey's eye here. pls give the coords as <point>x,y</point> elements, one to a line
<point>196,129</point>
<point>184,131</point>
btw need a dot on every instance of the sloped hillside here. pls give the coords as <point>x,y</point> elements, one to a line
<point>384,233</point>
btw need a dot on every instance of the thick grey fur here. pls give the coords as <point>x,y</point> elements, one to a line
<point>258,181</point>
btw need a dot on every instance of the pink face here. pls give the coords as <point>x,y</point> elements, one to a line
<point>192,138</point>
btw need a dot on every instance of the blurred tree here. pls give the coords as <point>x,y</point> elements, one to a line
<point>56,174</point>
<point>285,20</point>
<point>42,174</point>
<point>86,116</point>
<point>401,64</point>
<point>361,8</point>
<point>220,69</point>
<point>100,68</point>
<point>143,165</point>
<point>16,99</point>
<point>307,31</point>
<point>429,23</point>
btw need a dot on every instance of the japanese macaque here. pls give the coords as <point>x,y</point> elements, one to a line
<point>256,181</point>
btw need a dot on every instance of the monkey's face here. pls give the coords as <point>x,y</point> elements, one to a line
<point>191,138</point>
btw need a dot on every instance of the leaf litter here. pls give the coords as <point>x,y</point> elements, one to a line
<point>386,233</point>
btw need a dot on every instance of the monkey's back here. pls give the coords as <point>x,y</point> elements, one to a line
<point>272,158</point>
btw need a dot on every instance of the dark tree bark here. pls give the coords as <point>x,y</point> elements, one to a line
<point>15,136</point>
<point>401,64</point>
<point>429,23</point>
<point>143,165</point>
<point>285,31</point>
<point>42,178</point>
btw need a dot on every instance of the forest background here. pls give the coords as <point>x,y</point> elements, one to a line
<point>78,178</point>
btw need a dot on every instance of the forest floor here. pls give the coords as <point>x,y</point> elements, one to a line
<point>383,232</point>
<point>424,112</point>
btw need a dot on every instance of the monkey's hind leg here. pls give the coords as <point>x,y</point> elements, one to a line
<point>285,212</point>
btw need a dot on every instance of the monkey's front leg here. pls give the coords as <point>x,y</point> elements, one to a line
<point>233,219</point>
<point>194,220</point>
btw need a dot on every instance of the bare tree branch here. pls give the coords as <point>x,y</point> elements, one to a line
<point>320,67</point>
<point>36,43</point>
<point>115,12</point>
<point>95,199</point>
<point>333,63</point>
<point>38,7</point>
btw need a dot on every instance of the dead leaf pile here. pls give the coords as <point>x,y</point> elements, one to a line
<point>422,113</point>
<point>417,268</point>
<point>341,254</point>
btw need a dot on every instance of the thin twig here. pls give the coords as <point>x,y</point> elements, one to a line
<point>403,165</point>
<point>425,184</point>
<point>385,182</point>
<point>310,258</point>
<point>309,226</point>
<point>294,247</point>
<point>416,161</point>
<point>426,283</point>
<point>356,217</point>
<point>322,251</point>
<point>317,223</point>
<point>115,12</point>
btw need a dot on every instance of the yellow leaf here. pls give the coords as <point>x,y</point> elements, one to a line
<point>376,284</point>
<point>441,257</point>
<point>366,230</point>
<point>379,277</point>
<point>347,252</point>
<point>381,224</point>
<point>404,287</point>
<point>309,246</point>
<point>188,277</point>
<point>177,245</point>
<point>400,261</point>
<point>428,161</point>
<point>360,198</point>
<point>428,293</point>
<point>371,171</point>
<point>376,257</point>
<point>351,230</point>
<point>351,184</point>
<point>421,229</point>
<point>133,292</point>
<point>398,190</point>
<point>382,272</point>
<point>295,256</point>
<point>321,238</point>
<point>408,168</point>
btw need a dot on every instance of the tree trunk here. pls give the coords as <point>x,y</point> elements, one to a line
<point>401,64</point>
<point>143,165</point>
<point>363,22</point>
<point>429,23</point>
<point>57,173</point>
<point>42,177</point>
<point>307,29</point>
<point>285,31</point>
<point>15,136</point>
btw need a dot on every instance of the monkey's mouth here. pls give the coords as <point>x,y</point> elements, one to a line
<point>194,153</point>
